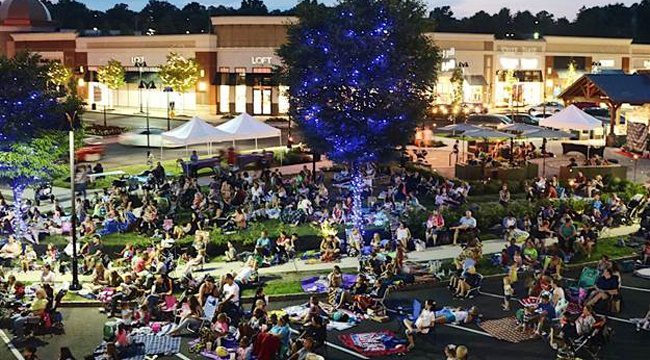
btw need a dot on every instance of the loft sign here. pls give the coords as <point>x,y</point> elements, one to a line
<point>137,60</point>
<point>261,60</point>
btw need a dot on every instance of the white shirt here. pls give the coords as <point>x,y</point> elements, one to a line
<point>231,290</point>
<point>461,316</point>
<point>426,319</point>
<point>47,279</point>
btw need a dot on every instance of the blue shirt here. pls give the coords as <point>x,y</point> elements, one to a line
<point>283,332</point>
<point>548,308</point>
<point>263,243</point>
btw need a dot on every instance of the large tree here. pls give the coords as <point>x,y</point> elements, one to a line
<point>360,76</point>
<point>33,120</point>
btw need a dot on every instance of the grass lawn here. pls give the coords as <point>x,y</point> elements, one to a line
<point>287,283</point>
<point>605,246</point>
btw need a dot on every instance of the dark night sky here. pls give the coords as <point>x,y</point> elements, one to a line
<point>566,8</point>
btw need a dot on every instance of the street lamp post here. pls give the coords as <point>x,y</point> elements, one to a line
<point>148,86</point>
<point>140,65</point>
<point>168,89</point>
<point>73,218</point>
<point>636,162</point>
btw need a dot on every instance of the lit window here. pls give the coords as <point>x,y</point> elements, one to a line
<point>529,64</point>
<point>224,99</point>
<point>240,98</point>
<point>607,63</point>
<point>508,63</point>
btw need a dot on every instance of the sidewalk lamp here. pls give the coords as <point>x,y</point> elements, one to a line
<point>148,86</point>
<point>140,65</point>
<point>73,213</point>
<point>167,90</point>
<point>636,162</point>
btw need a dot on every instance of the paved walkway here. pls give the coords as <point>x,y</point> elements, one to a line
<point>443,252</point>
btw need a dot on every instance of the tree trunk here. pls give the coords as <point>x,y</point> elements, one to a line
<point>18,189</point>
<point>358,185</point>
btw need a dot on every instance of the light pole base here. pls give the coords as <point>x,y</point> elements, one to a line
<point>75,286</point>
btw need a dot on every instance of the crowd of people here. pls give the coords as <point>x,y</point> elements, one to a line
<point>140,285</point>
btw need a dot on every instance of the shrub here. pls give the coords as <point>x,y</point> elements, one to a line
<point>101,130</point>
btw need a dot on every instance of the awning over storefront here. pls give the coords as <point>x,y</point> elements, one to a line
<point>475,80</point>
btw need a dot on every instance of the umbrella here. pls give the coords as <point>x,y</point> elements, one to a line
<point>520,127</point>
<point>487,134</point>
<point>460,127</point>
<point>546,133</point>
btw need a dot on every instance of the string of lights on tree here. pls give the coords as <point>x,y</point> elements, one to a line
<point>359,77</point>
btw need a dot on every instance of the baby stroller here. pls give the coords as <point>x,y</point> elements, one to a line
<point>587,346</point>
<point>43,192</point>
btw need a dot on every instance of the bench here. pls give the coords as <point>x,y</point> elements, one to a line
<point>192,168</point>
<point>583,149</point>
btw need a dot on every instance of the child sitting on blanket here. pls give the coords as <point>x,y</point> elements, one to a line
<point>245,349</point>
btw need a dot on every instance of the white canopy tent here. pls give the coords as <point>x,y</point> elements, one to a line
<point>571,118</point>
<point>193,132</point>
<point>244,127</point>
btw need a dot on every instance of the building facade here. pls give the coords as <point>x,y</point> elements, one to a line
<point>238,58</point>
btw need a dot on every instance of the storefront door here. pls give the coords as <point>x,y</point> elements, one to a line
<point>262,101</point>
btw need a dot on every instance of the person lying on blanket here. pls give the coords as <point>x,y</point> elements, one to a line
<point>449,315</point>
<point>425,321</point>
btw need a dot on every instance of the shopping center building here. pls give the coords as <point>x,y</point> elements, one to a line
<point>238,58</point>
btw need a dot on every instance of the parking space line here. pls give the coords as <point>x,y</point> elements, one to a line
<point>11,346</point>
<point>617,319</point>
<point>635,288</point>
<point>623,287</point>
<point>603,315</point>
<point>339,348</point>
<point>182,356</point>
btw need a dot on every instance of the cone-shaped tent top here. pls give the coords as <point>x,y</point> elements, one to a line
<point>571,118</point>
<point>245,127</point>
<point>195,131</point>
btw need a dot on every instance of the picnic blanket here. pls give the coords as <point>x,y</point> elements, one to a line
<point>371,344</point>
<point>504,329</point>
<point>159,345</point>
<point>318,285</point>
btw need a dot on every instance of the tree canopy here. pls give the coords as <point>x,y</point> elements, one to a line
<point>29,105</point>
<point>359,76</point>
<point>179,73</point>
<point>614,20</point>
<point>112,74</point>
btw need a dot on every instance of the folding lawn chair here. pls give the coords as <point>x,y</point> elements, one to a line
<point>209,309</point>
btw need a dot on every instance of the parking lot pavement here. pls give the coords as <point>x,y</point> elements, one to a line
<point>84,328</point>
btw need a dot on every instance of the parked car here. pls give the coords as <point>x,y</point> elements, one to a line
<point>602,114</point>
<point>489,120</point>
<point>523,118</point>
<point>548,107</point>
<point>138,137</point>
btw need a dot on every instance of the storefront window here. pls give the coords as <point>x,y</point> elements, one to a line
<point>224,98</point>
<point>262,101</point>
<point>240,98</point>
<point>283,99</point>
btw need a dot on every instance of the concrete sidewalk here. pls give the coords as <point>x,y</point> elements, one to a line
<point>444,252</point>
